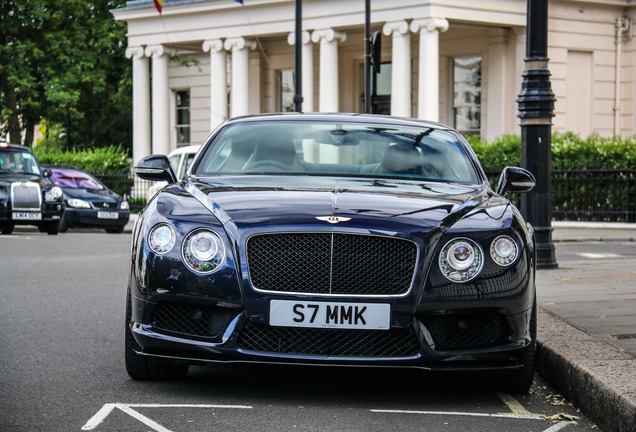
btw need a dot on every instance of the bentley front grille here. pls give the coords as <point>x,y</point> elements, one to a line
<point>329,342</point>
<point>26,196</point>
<point>331,263</point>
<point>185,319</point>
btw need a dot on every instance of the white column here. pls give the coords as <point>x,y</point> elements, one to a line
<point>240,96</point>
<point>401,68</point>
<point>499,88</point>
<point>307,68</point>
<point>141,102</point>
<point>218,81</point>
<point>428,80</point>
<point>160,98</point>
<point>328,38</point>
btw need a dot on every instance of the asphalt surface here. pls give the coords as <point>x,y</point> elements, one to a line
<point>587,323</point>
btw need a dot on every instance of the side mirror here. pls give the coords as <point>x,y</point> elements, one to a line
<point>155,168</point>
<point>515,180</point>
<point>46,173</point>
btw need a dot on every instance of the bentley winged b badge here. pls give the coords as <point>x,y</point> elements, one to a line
<point>333,219</point>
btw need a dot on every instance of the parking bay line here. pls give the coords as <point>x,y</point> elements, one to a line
<point>101,415</point>
<point>466,414</point>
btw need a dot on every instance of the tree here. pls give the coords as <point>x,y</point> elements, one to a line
<point>62,63</point>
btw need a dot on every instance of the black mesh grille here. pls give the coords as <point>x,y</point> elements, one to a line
<point>468,331</point>
<point>331,263</point>
<point>328,342</point>
<point>191,320</point>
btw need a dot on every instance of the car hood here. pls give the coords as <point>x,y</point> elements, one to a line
<point>265,203</point>
<point>91,194</point>
<point>7,178</point>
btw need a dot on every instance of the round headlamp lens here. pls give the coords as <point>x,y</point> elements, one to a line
<point>504,251</point>
<point>162,239</point>
<point>461,260</point>
<point>203,251</point>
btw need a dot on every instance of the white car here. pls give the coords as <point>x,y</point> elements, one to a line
<point>180,160</point>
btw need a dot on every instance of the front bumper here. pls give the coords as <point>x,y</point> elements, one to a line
<point>89,218</point>
<point>414,346</point>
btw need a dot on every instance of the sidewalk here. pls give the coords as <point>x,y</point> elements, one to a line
<point>587,327</point>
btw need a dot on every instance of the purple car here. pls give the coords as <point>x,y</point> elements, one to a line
<point>89,204</point>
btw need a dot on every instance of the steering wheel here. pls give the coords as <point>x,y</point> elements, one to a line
<point>267,162</point>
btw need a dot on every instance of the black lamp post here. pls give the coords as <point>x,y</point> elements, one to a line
<point>536,109</point>
<point>298,82</point>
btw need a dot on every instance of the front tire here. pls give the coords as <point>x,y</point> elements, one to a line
<point>7,228</point>
<point>521,379</point>
<point>52,228</point>
<point>145,369</point>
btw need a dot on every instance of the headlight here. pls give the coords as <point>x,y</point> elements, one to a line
<point>161,239</point>
<point>504,250</point>
<point>54,194</point>
<point>203,251</point>
<point>124,205</point>
<point>78,203</point>
<point>461,260</point>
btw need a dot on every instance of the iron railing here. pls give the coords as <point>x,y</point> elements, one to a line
<point>590,193</point>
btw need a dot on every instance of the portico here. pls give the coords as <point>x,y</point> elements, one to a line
<point>450,61</point>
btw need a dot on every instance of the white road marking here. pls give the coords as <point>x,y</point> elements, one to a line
<point>592,255</point>
<point>101,415</point>
<point>557,426</point>
<point>466,414</point>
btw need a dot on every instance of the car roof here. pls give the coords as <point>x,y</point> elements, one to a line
<point>345,117</point>
<point>185,150</point>
<point>16,147</point>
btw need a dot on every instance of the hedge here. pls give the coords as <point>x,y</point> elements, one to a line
<point>109,164</point>
<point>568,150</point>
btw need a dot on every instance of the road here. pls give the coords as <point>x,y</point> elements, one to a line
<point>61,367</point>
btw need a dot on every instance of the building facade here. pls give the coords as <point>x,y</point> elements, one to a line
<point>459,62</point>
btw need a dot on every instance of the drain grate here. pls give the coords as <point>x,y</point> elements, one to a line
<point>625,336</point>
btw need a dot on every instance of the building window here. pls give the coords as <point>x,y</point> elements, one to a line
<point>182,126</point>
<point>466,108</point>
<point>286,90</point>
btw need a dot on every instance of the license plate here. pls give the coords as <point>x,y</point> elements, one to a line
<point>27,216</point>
<point>107,215</point>
<point>289,313</point>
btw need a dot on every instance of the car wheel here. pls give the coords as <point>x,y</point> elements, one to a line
<point>63,225</point>
<point>115,230</point>
<point>7,228</point>
<point>145,369</point>
<point>52,228</point>
<point>521,379</point>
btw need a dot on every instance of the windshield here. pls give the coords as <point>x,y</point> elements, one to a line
<point>328,148</point>
<point>74,179</point>
<point>18,162</point>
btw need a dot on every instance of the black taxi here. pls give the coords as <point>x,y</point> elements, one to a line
<point>25,197</point>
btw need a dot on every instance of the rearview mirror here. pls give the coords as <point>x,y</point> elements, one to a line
<point>515,180</point>
<point>155,168</point>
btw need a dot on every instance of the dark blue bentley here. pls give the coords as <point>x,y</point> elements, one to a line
<point>331,239</point>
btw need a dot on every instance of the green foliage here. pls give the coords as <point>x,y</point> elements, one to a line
<point>568,149</point>
<point>111,160</point>
<point>63,62</point>
<point>496,155</point>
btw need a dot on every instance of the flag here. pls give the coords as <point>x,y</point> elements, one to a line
<point>239,1</point>
<point>159,5</point>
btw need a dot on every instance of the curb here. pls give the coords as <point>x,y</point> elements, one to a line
<point>597,376</point>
